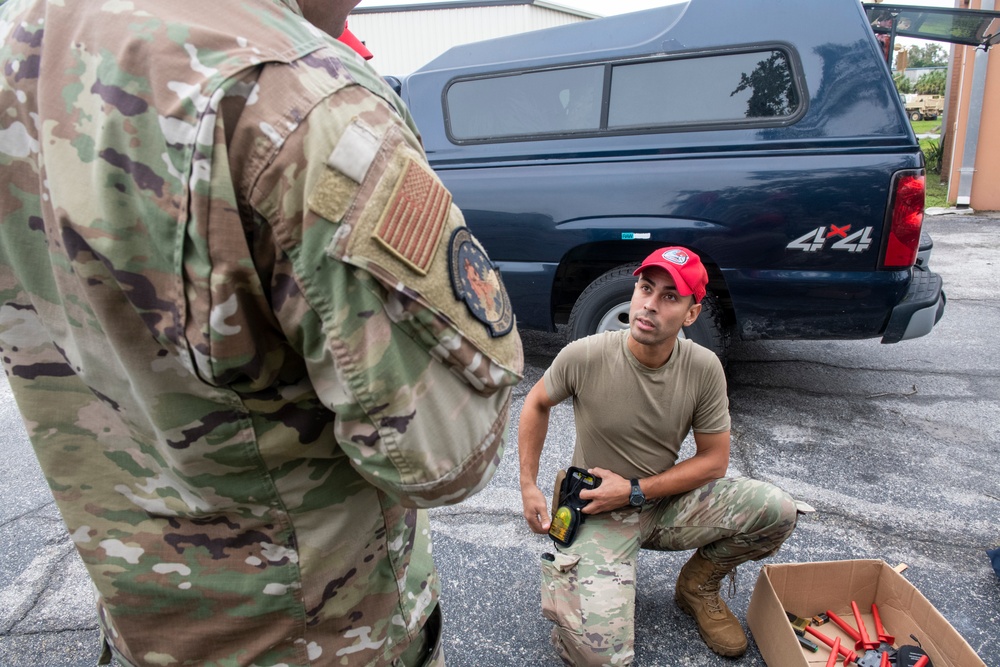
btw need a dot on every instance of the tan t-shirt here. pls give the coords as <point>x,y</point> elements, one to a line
<point>631,419</point>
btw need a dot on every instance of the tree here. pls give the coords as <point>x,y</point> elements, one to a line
<point>931,83</point>
<point>903,84</point>
<point>931,55</point>
<point>770,83</point>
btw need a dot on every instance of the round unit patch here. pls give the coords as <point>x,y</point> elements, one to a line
<point>477,283</point>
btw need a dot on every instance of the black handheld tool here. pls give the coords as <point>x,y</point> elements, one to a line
<point>567,518</point>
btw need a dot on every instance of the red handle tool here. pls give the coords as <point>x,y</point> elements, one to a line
<point>865,643</point>
<point>883,636</point>
<point>849,655</point>
<point>842,624</point>
<point>834,650</point>
<point>885,660</point>
<point>922,662</point>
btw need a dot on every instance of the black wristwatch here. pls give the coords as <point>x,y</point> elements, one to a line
<point>636,498</point>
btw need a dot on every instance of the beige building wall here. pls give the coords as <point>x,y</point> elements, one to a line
<point>985,195</point>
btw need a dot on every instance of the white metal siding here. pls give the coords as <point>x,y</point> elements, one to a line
<point>402,41</point>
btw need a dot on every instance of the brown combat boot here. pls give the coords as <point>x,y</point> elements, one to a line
<point>698,595</point>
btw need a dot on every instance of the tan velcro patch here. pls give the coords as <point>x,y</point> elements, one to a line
<point>333,195</point>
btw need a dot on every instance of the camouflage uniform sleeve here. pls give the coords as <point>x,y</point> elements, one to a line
<point>405,327</point>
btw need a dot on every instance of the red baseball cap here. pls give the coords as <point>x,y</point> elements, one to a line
<point>684,265</point>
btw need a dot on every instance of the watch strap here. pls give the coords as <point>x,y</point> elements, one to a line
<point>636,492</point>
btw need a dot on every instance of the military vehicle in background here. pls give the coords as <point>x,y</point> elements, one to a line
<point>924,107</point>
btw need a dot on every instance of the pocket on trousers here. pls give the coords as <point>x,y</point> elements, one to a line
<point>561,590</point>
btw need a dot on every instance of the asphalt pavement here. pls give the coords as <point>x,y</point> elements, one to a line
<point>896,446</point>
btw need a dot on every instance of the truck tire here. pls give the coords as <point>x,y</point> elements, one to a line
<point>604,306</point>
<point>916,115</point>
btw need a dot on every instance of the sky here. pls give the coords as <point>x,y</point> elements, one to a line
<point>609,7</point>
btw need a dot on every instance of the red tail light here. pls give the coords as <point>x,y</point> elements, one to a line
<point>907,218</point>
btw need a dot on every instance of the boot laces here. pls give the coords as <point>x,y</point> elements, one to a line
<point>710,589</point>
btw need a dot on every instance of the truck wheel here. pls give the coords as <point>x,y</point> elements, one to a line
<point>916,115</point>
<point>604,306</point>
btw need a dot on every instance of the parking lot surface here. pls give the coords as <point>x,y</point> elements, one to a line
<point>896,446</point>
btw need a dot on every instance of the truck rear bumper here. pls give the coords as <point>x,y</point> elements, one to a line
<point>919,310</point>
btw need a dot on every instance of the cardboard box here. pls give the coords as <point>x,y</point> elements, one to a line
<point>808,589</point>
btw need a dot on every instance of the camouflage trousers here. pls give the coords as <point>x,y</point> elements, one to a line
<point>426,649</point>
<point>588,588</point>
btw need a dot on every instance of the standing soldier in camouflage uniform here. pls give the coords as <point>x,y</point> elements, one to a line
<point>235,319</point>
<point>636,394</point>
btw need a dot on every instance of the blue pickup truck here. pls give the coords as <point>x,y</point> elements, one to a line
<point>765,135</point>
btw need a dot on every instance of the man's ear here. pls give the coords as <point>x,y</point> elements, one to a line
<point>692,313</point>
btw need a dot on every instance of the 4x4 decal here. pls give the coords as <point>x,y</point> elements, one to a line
<point>816,239</point>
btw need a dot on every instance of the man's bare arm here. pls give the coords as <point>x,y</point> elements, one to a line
<point>709,462</point>
<point>531,431</point>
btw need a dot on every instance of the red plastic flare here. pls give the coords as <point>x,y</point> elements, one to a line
<point>907,218</point>
<point>842,624</point>
<point>849,655</point>
<point>865,642</point>
<point>834,650</point>
<point>883,636</point>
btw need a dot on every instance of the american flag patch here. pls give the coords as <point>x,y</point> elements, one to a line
<point>414,218</point>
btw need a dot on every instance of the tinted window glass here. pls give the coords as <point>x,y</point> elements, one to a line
<point>525,104</point>
<point>702,90</point>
